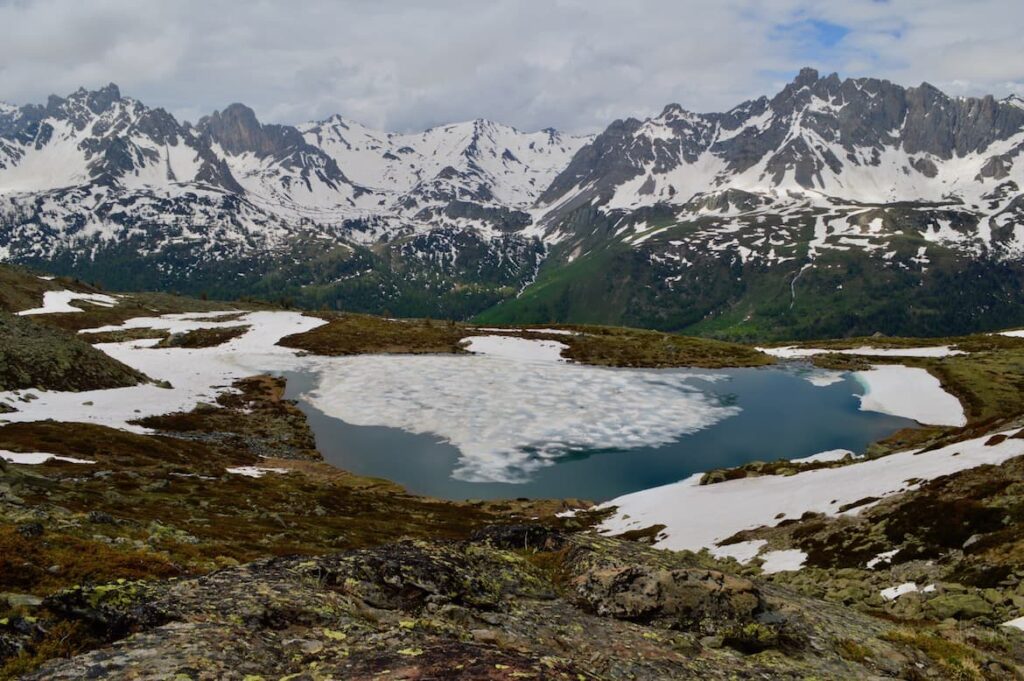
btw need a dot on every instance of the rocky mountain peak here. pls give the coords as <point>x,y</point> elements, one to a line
<point>806,78</point>
<point>97,101</point>
<point>103,98</point>
<point>237,130</point>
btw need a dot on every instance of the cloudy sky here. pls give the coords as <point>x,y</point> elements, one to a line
<point>572,64</point>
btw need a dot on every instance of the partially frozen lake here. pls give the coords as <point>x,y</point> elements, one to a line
<point>511,418</point>
<point>735,416</point>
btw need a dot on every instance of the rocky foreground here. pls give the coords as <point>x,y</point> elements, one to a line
<point>511,602</point>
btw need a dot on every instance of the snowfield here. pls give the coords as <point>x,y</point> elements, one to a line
<point>196,375</point>
<point>700,516</point>
<point>909,392</point>
<point>790,352</point>
<point>60,301</point>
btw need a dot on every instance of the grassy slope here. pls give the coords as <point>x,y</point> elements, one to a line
<point>845,293</point>
<point>348,334</point>
<point>592,289</point>
<point>20,289</point>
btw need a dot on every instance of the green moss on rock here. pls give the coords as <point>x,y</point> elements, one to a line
<point>36,356</point>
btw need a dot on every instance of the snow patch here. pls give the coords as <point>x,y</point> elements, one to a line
<point>881,558</point>
<point>1015,623</point>
<point>699,516</point>
<point>36,458</point>
<point>830,455</point>
<point>783,561</point>
<point>790,352</point>
<point>510,347</point>
<point>254,471</point>
<point>60,301</point>
<point>894,592</point>
<point>909,392</point>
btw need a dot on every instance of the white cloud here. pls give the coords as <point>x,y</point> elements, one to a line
<point>574,64</point>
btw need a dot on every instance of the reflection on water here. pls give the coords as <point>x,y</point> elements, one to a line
<point>782,415</point>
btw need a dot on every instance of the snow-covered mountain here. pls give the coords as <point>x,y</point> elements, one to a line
<point>96,177</point>
<point>683,220</point>
<point>480,158</point>
<point>821,143</point>
<point>713,221</point>
<point>102,148</point>
<point>477,174</point>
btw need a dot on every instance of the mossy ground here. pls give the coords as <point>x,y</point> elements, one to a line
<point>36,356</point>
<point>203,338</point>
<point>349,334</point>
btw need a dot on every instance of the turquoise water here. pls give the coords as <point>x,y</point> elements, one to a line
<point>782,416</point>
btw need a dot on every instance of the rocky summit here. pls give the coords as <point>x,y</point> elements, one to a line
<point>830,208</point>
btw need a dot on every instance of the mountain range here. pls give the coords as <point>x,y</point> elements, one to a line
<point>834,207</point>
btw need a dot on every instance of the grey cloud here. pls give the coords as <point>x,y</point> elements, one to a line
<point>573,64</point>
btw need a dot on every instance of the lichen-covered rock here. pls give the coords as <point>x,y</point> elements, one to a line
<point>690,599</point>
<point>33,355</point>
<point>115,608</point>
<point>584,608</point>
<point>520,536</point>
<point>958,605</point>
